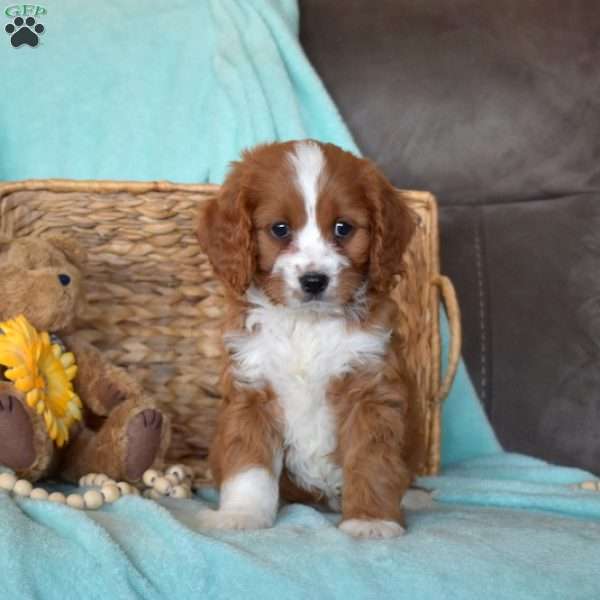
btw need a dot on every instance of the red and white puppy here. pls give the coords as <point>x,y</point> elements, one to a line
<point>318,405</point>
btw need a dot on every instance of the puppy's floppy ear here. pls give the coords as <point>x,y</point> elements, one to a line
<point>71,248</point>
<point>225,233</point>
<point>392,227</point>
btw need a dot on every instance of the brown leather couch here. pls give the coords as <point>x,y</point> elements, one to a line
<point>495,107</point>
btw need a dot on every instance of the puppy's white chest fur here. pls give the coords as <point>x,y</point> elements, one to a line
<point>298,352</point>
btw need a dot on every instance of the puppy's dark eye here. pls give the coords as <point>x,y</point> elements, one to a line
<point>280,230</point>
<point>341,229</point>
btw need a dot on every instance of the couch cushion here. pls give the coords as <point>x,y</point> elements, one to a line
<point>476,101</point>
<point>530,295</point>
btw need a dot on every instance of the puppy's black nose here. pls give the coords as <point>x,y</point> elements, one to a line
<point>313,283</point>
<point>64,279</point>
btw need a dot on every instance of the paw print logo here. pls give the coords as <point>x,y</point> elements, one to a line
<point>24,32</point>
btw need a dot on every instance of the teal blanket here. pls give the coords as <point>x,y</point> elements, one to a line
<point>157,90</point>
<point>496,529</point>
<point>175,90</point>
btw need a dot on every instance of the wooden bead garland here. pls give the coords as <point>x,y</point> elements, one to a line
<point>175,482</point>
<point>592,485</point>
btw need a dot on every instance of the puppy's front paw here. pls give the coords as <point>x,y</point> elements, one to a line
<point>371,528</point>
<point>236,520</point>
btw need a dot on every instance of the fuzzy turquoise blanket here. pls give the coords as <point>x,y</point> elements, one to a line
<point>174,90</point>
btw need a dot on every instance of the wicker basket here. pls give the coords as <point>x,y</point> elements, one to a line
<point>154,305</point>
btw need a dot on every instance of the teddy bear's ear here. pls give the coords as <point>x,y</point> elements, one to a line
<point>71,249</point>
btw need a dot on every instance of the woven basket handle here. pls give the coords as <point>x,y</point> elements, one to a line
<point>449,298</point>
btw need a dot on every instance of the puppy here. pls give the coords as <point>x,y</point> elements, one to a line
<point>318,404</point>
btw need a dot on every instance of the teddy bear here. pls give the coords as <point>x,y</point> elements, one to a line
<point>112,427</point>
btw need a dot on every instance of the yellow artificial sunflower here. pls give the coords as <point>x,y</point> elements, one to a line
<point>43,372</point>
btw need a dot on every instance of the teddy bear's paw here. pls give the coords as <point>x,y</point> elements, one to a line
<point>235,520</point>
<point>143,442</point>
<point>17,450</point>
<point>111,396</point>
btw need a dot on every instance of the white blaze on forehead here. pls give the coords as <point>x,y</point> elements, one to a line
<point>311,251</point>
<point>308,163</point>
